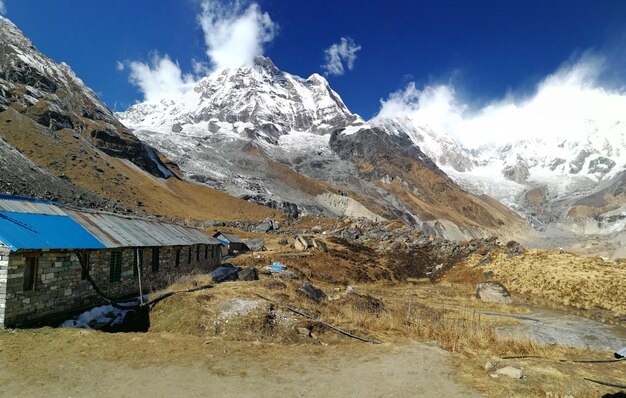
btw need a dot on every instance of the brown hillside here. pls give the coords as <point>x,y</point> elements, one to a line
<point>402,169</point>
<point>66,153</point>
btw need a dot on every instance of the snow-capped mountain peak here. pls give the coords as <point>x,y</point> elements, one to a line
<point>543,178</point>
<point>259,94</point>
<point>599,155</point>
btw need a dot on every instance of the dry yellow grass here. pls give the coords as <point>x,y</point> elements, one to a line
<point>387,312</point>
<point>565,279</point>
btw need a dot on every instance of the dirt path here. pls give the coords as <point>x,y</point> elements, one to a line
<point>411,370</point>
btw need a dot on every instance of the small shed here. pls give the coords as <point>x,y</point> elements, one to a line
<point>232,242</point>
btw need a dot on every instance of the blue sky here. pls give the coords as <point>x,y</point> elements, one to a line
<point>484,49</point>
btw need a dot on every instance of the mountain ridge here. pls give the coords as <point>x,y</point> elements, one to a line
<point>265,135</point>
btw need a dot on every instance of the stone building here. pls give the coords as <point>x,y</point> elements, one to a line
<point>52,255</point>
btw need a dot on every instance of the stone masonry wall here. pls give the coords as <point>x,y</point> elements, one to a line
<point>4,270</point>
<point>60,288</point>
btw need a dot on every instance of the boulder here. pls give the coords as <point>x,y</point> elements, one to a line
<point>511,372</point>
<point>266,226</point>
<point>303,243</point>
<point>303,332</point>
<point>312,292</point>
<point>493,292</point>
<point>319,245</point>
<point>350,234</point>
<point>513,248</point>
<point>248,274</point>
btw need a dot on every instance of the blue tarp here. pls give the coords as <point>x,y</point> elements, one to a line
<point>43,231</point>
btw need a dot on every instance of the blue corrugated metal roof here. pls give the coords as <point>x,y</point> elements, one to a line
<point>43,231</point>
<point>40,224</point>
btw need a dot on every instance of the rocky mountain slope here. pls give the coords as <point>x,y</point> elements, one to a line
<point>54,97</point>
<point>21,176</point>
<point>291,143</point>
<point>59,141</point>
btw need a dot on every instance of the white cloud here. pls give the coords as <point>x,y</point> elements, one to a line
<point>3,9</point>
<point>159,78</point>
<point>234,34</point>
<point>562,106</point>
<point>340,54</point>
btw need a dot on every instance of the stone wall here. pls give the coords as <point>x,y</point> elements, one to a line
<point>59,286</point>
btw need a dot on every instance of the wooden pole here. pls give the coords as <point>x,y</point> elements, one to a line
<point>139,275</point>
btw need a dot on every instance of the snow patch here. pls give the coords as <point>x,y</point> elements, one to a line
<point>97,317</point>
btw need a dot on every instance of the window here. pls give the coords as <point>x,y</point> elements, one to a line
<point>206,251</point>
<point>177,263</point>
<point>197,253</point>
<point>84,265</point>
<point>189,256</point>
<point>30,272</point>
<point>155,259</point>
<point>115,266</point>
